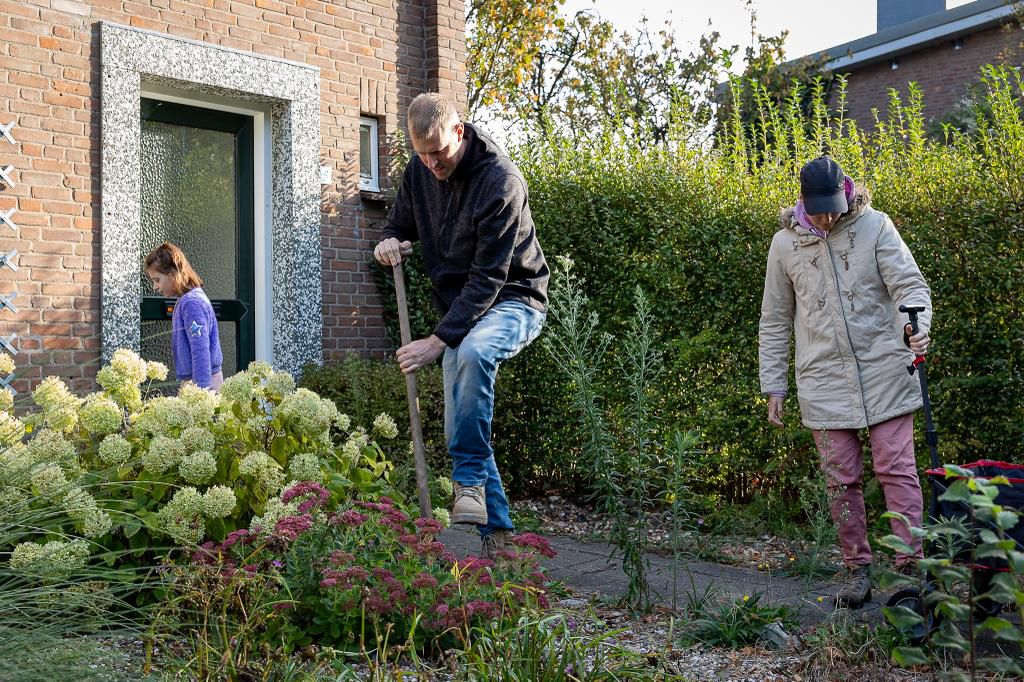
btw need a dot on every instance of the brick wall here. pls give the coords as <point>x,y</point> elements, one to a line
<point>373,55</point>
<point>942,71</point>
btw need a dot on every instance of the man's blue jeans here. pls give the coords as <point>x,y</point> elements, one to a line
<point>469,374</point>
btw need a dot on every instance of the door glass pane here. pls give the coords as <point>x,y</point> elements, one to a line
<point>188,198</point>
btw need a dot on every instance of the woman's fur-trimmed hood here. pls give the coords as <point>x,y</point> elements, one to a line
<point>861,202</point>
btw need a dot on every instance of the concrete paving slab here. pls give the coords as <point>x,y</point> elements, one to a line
<point>585,566</point>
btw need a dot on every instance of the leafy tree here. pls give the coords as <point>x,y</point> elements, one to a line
<point>645,81</point>
<point>502,42</point>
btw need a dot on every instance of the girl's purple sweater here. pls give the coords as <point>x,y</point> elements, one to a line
<point>195,343</point>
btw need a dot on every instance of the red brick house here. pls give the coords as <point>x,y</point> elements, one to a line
<point>921,41</point>
<point>249,131</point>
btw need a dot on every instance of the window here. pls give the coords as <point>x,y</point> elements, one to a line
<point>369,158</point>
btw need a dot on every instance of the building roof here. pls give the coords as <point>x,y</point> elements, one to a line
<point>916,34</point>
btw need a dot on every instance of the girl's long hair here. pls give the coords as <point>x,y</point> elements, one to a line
<point>168,259</point>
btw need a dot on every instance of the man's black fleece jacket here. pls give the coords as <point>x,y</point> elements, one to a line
<point>478,239</point>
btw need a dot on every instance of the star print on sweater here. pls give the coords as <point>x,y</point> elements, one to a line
<point>196,329</point>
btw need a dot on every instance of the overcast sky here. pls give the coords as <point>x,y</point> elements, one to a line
<point>812,25</point>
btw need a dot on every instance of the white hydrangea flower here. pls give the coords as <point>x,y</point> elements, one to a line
<point>100,415</point>
<point>442,516</point>
<point>384,426</point>
<point>49,481</point>
<point>444,484</point>
<point>12,502</point>
<point>156,371</point>
<point>218,502</point>
<point>122,377</point>
<point>129,365</point>
<point>342,421</point>
<point>279,384</point>
<point>82,508</point>
<point>301,410</point>
<point>114,450</point>
<point>197,439</point>
<point>238,388</point>
<point>163,454</point>
<point>12,429</point>
<point>305,467</point>
<point>6,364</point>
<point>16,463</point>
<point>60,406</point>
<point>273,511</point>
<point>96,523</point>
<point>198,468</point>
<point>165,416</point>
<point>52,446</point>
<point>200,403</point>
<point>55,559</point>
<point>6,400</point>
<point>260,369</point>
<point>353,447</point>
<point>263,469</point>
<point>182,517</point>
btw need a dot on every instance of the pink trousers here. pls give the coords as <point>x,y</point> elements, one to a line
<point>892,451</point>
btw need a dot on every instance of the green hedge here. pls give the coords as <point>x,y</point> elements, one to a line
<point>692,226</point>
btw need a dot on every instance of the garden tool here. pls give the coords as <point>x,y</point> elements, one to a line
<point>912,597</point>
<point>412,395</point>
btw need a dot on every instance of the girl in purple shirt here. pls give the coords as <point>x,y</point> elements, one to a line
<point>195,344</point>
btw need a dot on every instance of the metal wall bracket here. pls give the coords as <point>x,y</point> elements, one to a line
<point>8,302</point>
<point>5,176</point>
<point>5,130</point>
<point>5,216</point>
<point>8,260</point>
<point>8,343</point>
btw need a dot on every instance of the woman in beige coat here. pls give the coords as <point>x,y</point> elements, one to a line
<point>837,274</point>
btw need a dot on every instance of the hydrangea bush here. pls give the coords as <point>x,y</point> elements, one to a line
<point>137,473</point>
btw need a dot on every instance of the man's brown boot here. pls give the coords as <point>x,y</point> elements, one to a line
<point>498,541</point>
<point>857,589</point>
<point>470,505</point>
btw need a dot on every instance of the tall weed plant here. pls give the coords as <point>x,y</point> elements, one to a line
<point>619,429</point>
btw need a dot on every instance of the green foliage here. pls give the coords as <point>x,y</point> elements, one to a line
<point>502,41</point>
<point>367,387</point>
<point>734,624</point>
<point>60,624</point>
<point>958,589</point>
<point>132,475</point>
<point>692,226</point>
<point>547,649</point>
<point>816,502</point>
<point>842,642</point>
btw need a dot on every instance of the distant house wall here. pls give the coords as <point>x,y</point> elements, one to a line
<point>944,73</point>
<point>373,56</point>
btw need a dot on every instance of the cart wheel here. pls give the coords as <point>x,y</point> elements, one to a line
<point>911,598</point>
<point>984,608</point>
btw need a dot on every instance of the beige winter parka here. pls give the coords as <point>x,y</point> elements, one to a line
<point>841,298</point>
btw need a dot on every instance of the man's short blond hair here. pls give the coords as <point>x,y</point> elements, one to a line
<point>430,113</point>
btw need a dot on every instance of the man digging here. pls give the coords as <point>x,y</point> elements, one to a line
<point>466,203</point>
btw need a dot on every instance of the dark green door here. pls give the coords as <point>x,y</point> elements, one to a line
<point>197,192</point>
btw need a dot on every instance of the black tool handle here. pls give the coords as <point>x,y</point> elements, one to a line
<point>912,311</point>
